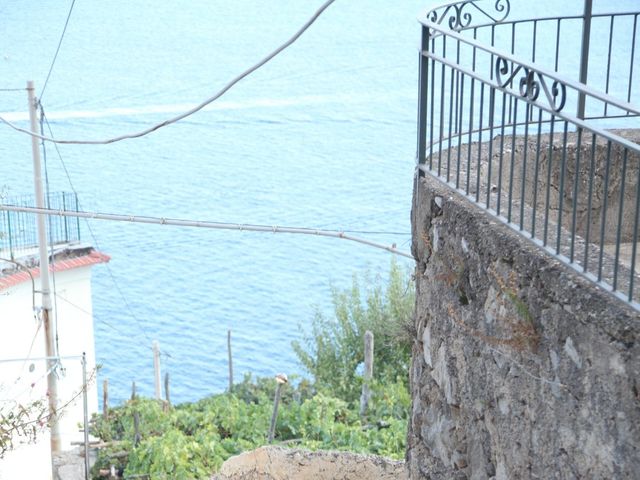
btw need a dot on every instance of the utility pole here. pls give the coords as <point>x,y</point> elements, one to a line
<point>45,289</point>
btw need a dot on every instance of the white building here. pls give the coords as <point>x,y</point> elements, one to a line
<point>23,382</point>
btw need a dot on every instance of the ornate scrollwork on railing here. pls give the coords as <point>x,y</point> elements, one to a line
<point>530,84</point>
<point>458,16</point>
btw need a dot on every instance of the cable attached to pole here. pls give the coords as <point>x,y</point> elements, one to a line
<point>195,109</point>
<point>114,217</point>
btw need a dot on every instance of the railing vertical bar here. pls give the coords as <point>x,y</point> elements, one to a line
<point>634,245</point>
<point>557,45</point>
<point>471,112</point>
<point>606,104</point>
<point>75,195</point>
<point>563,170</point>
<point>433,106</point>
<point>548,195</point>
<point>473,59</point>
<point>502,125</point>
<point>460,130</point>
<point>584,54</point>
<point>592,173</point>
<point>604,209</point>
<point>492,104</point>
<point>633,53</point>
<point>524,164</point>
<point>493,44</point>
<point>535,175</point>
<point>10,236</point>
<point>513,46</point>
<point>623,181</point>
<point>451,112</point>
<point>66,227</point>
<point>480,141</point>
<point>423,74</point>
<point>457,85</point>
<point>442,99</point>
<point>533,55</point>
<point>535,40</point>
<point>576,183</point>
<point>513,158</point>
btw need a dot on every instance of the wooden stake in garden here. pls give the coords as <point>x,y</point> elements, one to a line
<point>136,428</point>
<point>230,361</point>
<point>167,395</point>
<point>365,398</point>
<point>281,379</point>
<point>133,390</point>
<point>105,399</point>
<point>156,369</point>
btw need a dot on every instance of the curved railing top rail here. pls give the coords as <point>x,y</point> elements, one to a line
<point>459,19</point>
<point>534,80</point>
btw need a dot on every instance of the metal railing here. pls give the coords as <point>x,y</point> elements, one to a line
<point>506,118</point>
<point>18,232</point>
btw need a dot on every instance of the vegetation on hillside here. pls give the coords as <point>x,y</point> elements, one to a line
<point>190,441</point>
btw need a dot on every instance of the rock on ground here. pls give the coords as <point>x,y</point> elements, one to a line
<point>277,463</point>
<point>69,464</point>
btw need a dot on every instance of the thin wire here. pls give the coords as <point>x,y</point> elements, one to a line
<point>53,62</point>
<point>199,107</point>
<point>93,236</point>
<point>34,382</point>
<point>12,89</point>
<point>367,232</point>
<point>205,224</point>
<point>33,306</point>
<point>108,324</point>
<point>33,282</point>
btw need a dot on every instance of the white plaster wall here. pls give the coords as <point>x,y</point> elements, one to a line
<point>24,381</point>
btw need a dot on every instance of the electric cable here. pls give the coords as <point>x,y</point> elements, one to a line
<point>110,325</point>
<point>195,109</point>
<point>93,236</point>
<point>33,282</point>
<point>34,309</point>
<point>114,217</point>
<point>53,62</point>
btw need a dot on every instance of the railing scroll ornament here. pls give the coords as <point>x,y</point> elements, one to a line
<point>529,86</point>
<point>458,16</point>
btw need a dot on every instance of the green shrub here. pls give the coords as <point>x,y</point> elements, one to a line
<point>191,440</point>
<point>334,348</point>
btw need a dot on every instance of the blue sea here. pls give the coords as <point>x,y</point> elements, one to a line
<point>323,136</point>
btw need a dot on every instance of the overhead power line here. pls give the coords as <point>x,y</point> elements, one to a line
<point>195,109</point>
<point>206,224</point>
<point>93,236</point>
<point>53,62</point>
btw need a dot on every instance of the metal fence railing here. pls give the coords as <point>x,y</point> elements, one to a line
<point>18,232</point>
<point>529,119</point>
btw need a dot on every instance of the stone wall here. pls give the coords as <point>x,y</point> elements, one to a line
<point>521,368</point>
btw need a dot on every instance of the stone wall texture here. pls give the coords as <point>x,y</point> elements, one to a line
<point>521,367</point>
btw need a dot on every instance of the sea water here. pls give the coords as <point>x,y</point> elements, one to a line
<point>323,136</point>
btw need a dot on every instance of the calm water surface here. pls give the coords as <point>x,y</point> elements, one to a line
<point>323,136</point>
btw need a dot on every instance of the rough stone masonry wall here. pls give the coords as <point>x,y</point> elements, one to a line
<point>521,368</point>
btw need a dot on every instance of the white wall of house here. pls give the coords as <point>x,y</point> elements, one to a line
<point>22,336</point>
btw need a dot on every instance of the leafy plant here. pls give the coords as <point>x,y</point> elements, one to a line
<point>334,348</point>
<point>191,440</point>
<point>21,422</point>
